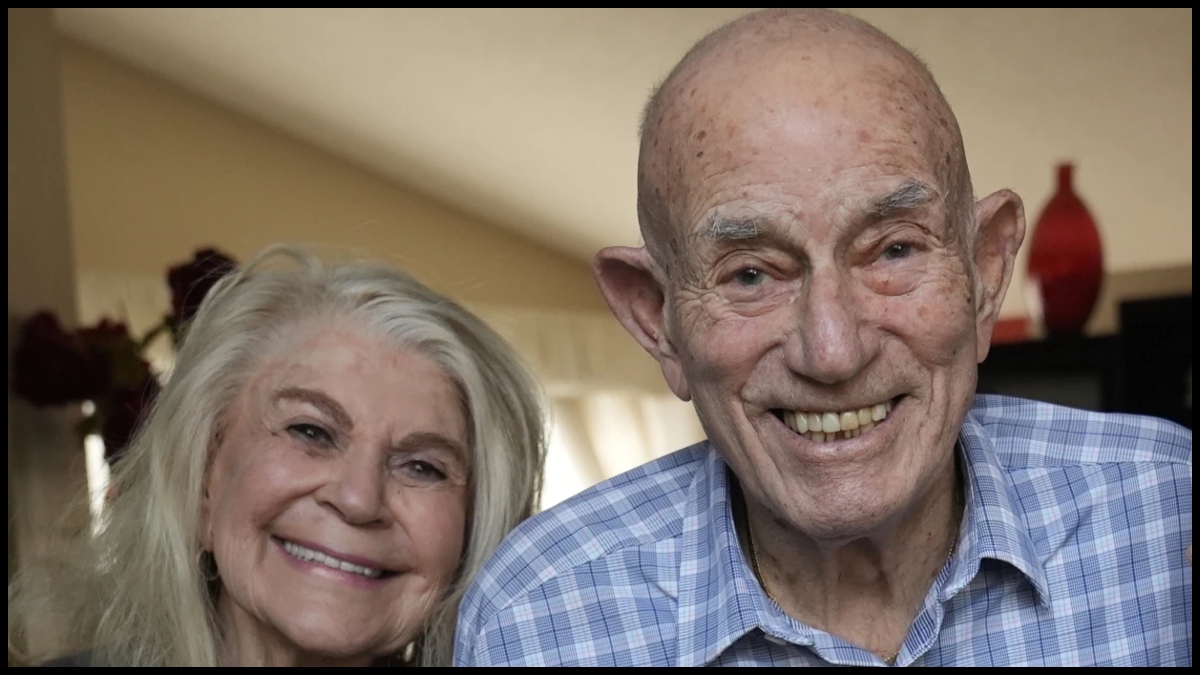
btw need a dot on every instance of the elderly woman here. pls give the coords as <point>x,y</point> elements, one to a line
<point>336,453</point>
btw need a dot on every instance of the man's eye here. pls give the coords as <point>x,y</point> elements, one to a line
<point>750,277</point>
<point>311,433</point>
<point>897,251</point>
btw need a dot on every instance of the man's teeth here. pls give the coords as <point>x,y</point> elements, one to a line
<point>831,426</point>
<point>333,563</point>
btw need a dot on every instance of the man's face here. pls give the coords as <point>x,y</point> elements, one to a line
<point>821,277</point>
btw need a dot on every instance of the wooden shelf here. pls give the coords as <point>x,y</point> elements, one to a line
<point>1145,369</point>
<point>1077,371</point>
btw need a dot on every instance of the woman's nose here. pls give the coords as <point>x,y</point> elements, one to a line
<point>356,491</point>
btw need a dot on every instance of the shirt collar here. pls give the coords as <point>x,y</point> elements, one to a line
<point>720,601</point>
<point>994,526</point>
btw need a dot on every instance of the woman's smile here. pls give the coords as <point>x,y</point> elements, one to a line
<point>352,570</point>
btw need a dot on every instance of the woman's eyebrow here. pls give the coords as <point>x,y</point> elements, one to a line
<point>422,440</point>
<point>319,400</point>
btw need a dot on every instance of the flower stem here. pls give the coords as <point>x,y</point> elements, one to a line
<point>154,333</point>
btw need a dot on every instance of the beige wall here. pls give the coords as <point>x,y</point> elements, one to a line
<point>155,172</point>
<point>45,460</point>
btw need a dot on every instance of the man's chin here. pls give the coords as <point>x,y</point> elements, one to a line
<point>834,515</point>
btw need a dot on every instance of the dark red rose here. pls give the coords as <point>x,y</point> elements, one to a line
<point>51,368</point>
<point>191,281</point>
<point>125,409</point>
<point>110,343</point>
<point>104,335</point>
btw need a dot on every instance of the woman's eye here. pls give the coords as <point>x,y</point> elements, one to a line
<point>424,471</point>
<point>898,251</point>
<point>750,277</point>
<point>311,433</point>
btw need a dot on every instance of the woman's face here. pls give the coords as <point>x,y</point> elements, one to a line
<point>335,506</point>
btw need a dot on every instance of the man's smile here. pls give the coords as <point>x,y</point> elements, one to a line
<point>832,425</point>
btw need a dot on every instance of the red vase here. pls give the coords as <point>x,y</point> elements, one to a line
<point>1066,262</point>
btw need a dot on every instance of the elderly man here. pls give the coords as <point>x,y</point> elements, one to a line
<point>819,280</point>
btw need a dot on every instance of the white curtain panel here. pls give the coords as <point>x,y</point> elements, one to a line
<point>603,434</point>
<point>610,408</point>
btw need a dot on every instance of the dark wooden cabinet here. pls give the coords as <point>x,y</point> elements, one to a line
<point>1146,368</point>
<point>1153,372</point>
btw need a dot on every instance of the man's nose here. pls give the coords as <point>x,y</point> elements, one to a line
<point>356,490</point>
<point>830,343</point>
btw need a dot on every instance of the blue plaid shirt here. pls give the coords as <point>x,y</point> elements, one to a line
<point>1071,553</point>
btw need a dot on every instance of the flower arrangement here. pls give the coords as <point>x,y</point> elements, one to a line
<point>104,364</point>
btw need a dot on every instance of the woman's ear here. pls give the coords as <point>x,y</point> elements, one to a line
<point>206,530</point>
<point>634,287</point>
<point>206,535</point>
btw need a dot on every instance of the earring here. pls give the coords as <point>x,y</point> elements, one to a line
<point>409,651</point>
<point>208,567</point>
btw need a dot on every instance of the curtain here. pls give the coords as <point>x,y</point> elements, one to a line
<point>602,434</point>
<point>610,409</point>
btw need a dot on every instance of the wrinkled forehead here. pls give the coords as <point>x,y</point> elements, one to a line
<point>869,80</point>
<point>797,123</point>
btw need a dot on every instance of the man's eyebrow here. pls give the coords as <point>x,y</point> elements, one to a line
<point>724,229</point>
<point>319,400</point>
<point>911,195</point>
<point>422,440</point>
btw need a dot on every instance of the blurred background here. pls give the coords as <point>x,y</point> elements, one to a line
<point>491,152</point>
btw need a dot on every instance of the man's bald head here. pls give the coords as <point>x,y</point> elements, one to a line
<point>792,41</point>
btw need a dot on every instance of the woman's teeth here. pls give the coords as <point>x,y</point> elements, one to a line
<point>831,426</point>
<point>329,561</point>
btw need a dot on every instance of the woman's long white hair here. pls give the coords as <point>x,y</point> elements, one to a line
<point>140,592</point>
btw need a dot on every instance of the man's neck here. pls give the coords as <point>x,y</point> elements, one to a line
<point>866,590</point>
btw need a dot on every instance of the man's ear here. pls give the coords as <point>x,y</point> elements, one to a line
<point>999,231</point>
<point>634,287</point>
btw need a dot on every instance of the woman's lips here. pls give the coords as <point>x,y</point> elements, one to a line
<point>357,568</point>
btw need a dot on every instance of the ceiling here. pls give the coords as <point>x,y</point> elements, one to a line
<point>528,117</point>
<point>524,117</point>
